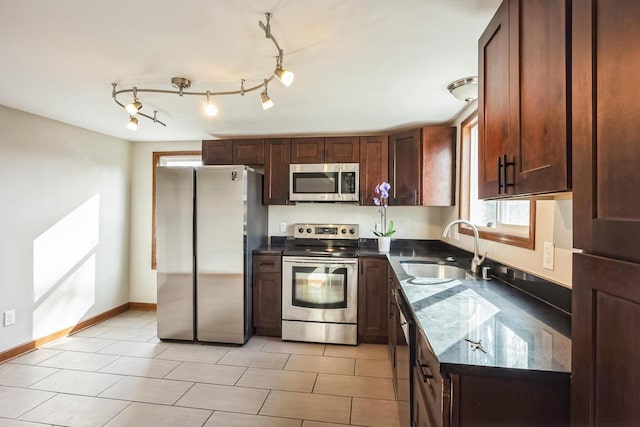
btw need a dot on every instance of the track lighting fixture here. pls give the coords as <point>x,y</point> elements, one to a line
<point>182,83</point>
<point>133,123</point>
<point>265,99</point>
<point>286,77</point>
<point>135,106</point>
<point>210,108</point>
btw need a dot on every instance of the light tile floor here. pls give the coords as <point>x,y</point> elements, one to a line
<point>118,373</point>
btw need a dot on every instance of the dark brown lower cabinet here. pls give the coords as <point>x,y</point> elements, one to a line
<point>372,300</point>
<point>267,295</point>
<point>489,397</point>
<point>605,331</point>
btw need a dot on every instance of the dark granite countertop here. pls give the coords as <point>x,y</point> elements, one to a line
<point>270,249</point>
<point>517,331</point>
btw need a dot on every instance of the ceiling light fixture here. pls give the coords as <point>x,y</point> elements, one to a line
<point>135,106</point>
<point>182,83</point>
<point>210,108</point>
<point>465,89</point>
<point>265,99</point>
<point>133,123</point>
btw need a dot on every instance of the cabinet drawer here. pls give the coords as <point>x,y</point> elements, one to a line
<point>427,375</point>
<point>267,264</point>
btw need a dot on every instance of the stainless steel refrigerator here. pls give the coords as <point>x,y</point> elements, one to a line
<point>208,221</point>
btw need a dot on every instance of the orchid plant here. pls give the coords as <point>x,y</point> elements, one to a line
<point>381,199</point>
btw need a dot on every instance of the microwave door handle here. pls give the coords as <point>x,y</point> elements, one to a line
<point>339,183</point>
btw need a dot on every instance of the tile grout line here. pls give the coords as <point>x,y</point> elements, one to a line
<point>264,401</point>
<point>119,412</point>
<point>193,384</point>
<point>39,404</point>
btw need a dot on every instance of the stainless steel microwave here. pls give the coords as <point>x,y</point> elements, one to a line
<point>324,182</point>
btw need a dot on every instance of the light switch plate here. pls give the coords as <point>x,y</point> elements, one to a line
<point>9,317</point>
<point>283,227</point>
<point>548,255</point>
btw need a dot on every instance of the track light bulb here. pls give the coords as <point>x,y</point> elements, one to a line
<point>133,124</point>
<point>211,109</point>
<point>133,108</point>
<point>266,101</point>
<point>285,77</point>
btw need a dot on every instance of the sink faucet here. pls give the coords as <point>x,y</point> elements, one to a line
<point>476,261</point>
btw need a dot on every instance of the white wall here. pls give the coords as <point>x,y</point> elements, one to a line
<point>553,224</point>
<point>411,222</point>
<point>142,278</point>
<point>64,218</point>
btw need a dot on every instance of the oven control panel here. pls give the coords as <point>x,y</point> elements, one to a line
<point>326,231</point>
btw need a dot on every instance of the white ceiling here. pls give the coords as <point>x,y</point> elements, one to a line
<point>360,65</point>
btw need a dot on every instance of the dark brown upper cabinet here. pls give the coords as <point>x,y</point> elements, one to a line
<point>276,171</point>
<point>422,166</point>
<point>438,166</point>
<point>341,149</point>
<point>606,145</point>
<point>374,165</point>
<point>216,152</point>
<point>524,100</point>
<point>233,152</point>
<point>248,151</point>
<point>404,168</point>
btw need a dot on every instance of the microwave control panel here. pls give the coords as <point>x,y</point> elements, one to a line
<point>348,182</point>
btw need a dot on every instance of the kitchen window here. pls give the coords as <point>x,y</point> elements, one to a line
<point>507,221</point>
<point>171,159</point>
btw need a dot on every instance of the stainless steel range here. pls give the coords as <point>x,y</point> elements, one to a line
<point>320,284</point>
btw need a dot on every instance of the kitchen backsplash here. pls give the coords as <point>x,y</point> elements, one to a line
<point>411,222</point>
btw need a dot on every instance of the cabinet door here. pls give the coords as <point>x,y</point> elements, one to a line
<point>374,166</point>
<point>606,146</point>
<point>216,152</point>
<point>343,149</point>
<point>438,166</point>
<point>267,294</point>
<point>493,101</point>
<point>276,171</point>
<point>307,150</point>
<point>248,151</point>
<point>539,131</point>
<point>372,300</point>
<point>421,416</point>
<point>404,168</point>
<point>605,382</point>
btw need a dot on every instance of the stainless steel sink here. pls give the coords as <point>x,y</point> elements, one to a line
<point>433,270</point>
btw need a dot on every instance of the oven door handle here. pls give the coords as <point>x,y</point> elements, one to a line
<point>320,261</point>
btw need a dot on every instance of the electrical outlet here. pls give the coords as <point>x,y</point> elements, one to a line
<point>9,317</point>
<point>283,227</point>
<point>548,255</point>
